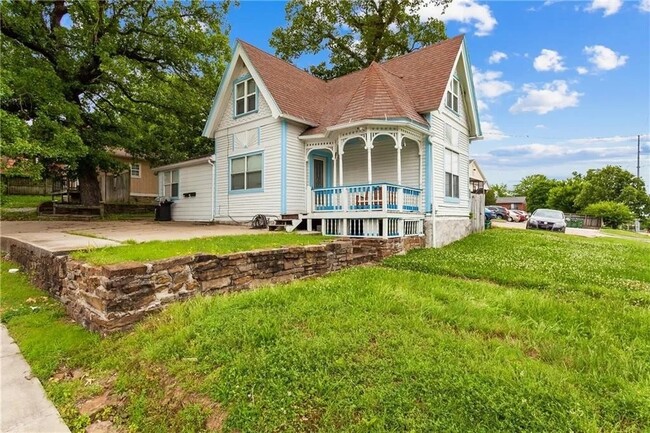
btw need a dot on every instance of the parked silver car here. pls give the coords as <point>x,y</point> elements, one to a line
<point>547,219</point>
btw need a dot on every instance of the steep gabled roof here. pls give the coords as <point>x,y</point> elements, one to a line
<point>297,92</point>
<point>400,88</point>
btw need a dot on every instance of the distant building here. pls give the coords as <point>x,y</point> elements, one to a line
<point>478,183</point>
<point>516,203</point>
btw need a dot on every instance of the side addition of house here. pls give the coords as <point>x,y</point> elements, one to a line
<point>381,152</point>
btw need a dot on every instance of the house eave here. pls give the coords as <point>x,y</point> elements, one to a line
<point>374,122</point>
<point>188,163</point>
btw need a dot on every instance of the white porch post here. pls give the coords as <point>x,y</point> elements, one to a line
<point>340,163</point>
<point>334,168</point>
<point>398,146</point>
<point>369,148</point>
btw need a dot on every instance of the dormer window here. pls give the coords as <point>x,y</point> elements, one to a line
<point>245,97</point>
<point>452,95</point>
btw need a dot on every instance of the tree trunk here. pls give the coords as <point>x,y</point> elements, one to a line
<point>89,189</point>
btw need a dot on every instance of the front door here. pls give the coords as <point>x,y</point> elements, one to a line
<point>319,173</point>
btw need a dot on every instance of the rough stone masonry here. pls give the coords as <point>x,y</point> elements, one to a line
<point>112,298</point>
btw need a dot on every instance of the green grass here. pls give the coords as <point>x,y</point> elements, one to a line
<point>461,339</point>
<point>625,233</point>
<point>157,250</point>
<point>22,201</point>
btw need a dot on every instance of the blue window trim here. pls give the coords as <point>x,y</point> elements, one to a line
<point>244,191</point>
<point>454,77</point>
<point>449,198</point>
<point>454,200</point>
<point>327,156</point>
<point>234,94</point>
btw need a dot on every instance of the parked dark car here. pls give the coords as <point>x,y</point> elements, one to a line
<point>489,214</point>
<point>547,219</point>
<point>499,211</point>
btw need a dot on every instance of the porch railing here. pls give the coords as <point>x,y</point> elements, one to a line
<point>384,197</point>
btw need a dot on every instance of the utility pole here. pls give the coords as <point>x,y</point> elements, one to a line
<point>638,156</point>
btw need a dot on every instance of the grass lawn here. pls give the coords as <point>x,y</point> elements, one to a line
<point>467,338</point>
<point>157,250</point>
<point>22,201</point>
<point>625,233</point>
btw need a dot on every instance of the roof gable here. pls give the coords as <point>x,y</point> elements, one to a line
<point>401,88</point>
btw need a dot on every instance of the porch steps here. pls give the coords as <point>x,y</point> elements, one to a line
<point>288,222</point>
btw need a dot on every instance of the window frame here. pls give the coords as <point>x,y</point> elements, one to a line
<point>246,173</point>
<point>171,183</point>
<point>452,178</point>
<point>452,99</point>
<point>244,81</point>
<point>132,166</point>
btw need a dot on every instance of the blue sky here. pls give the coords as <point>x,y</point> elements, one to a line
<point>563,86</point>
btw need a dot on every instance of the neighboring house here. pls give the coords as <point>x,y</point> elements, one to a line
<point>380,152</point>
<point>478,183</point>
<point>136,184</point>
<point>517,203</point>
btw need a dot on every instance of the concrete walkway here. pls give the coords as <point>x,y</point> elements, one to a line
<point>23,404</point>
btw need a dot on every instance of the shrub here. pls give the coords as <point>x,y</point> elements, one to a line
<point>613,214</point>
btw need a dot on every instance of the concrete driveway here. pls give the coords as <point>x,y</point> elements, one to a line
<point>588,233</point>
<point>61,236</point>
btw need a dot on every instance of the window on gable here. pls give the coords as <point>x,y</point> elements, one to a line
<point>452,95</point>
<point>170,183</point>
<point>452,186</point>
<point>245,97</point>
<point>246,172</point>
<point>135,169</point>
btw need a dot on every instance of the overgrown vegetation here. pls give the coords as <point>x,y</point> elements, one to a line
<point>466,338</point>
<point>157,250</point>
<point>22,201</point>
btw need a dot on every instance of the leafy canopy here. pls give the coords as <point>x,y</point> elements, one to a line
<point>356,32</point>
<point>82,78</point>
<point>613,214</point>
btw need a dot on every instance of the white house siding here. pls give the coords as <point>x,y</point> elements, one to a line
<point>296,170</point>
<point>265,137</point>
<point>194,179</point>
<point>355,164</point>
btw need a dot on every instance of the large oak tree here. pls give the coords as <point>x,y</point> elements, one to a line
<point>355,32</point>
<point>82,78</point>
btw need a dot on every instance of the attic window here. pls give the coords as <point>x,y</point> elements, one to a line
<point>245,97</point>
<point>452,95</point>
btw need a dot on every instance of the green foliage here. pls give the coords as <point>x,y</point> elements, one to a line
<point>613,214</point>
<point>557,344</point>
<point>536,189</point>
<point>490,197</point>
<point>22,201</point>
<point>356,32</point>
<point>563,195</point>
<point>613,183</point>
<point>157,250</point>
<point>94,76</point>
<point>500,190</point>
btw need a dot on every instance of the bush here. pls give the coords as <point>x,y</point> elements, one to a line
<point>613,214</point>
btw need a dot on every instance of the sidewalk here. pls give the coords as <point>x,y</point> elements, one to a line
<point>23,404</point>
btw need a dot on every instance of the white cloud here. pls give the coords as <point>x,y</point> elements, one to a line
<point>497,56</point>
<point>610,7</point>
<point>490,129</point>
<point>464,11</point>
<point>540,126</point>
<point>582,70</point>
<point>482,106</point>
<point>549,60</point>
<point>604,58</point>
<point>551,96</point>
<point>644,6</point>
<point>488,85</point>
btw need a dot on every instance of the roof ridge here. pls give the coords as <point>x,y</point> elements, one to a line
<point>444,41</point>
<point>279,59</point>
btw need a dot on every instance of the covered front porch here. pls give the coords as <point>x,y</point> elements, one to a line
<point>367,181</point>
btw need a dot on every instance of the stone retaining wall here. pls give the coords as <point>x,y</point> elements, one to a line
<point>114,297</point>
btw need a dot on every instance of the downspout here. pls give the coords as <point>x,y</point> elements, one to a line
<point>211,161</point>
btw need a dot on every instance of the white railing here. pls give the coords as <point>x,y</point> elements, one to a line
<point>372,227</point>
<point>382,197</point>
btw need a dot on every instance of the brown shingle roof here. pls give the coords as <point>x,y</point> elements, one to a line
<point>402,87</point>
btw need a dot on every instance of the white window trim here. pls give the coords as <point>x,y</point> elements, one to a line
<point>455,173</point>
<point>170,183</point>
<point>247,109</point>
<point>453,96</point>
<point>245,173</point>
<point>133,165</point>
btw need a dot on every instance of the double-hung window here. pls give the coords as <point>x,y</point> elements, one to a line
<point>170,183</point>
<point>452,95</point>
<point>246,172</point>
<point>452,186</point>
<point>135,169</point>
<point>245,97</point>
